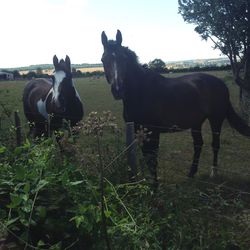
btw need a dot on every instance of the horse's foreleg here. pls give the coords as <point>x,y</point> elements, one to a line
<point>198,142</point>
<point>39,129</point>
<point>150,152</point>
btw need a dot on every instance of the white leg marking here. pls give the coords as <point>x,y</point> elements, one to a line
<point>213,172</point>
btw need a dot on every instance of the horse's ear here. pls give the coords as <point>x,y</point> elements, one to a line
<point>68,63</point>
<point>119,37</point>
<point>55,62</point>
<point>104,39</point>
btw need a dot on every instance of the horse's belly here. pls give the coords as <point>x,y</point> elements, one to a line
<point>178,121</point>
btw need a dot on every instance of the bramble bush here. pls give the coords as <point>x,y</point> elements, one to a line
<point>51,197</point>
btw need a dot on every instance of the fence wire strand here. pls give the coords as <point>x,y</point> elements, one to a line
<point>125,151</point>
<point>204,148</point>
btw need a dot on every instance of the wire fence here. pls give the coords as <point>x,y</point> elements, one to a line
<point>163,159</point>
<point>184,134</point>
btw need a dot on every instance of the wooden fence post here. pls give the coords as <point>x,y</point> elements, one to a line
<point>18,129</point>
<point>130,142</point>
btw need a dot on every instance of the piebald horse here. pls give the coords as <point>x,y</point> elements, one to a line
<point>47,103</point>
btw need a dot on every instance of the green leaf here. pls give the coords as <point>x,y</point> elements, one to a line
<point>20,173</point>
<point>107,213</point>
<point>26,188</point>
<point>27,206</point>
<point>41,243</point>
<point>11,221</point>
<point>74,183</point>
<point>24,197</point>
<point>41,211</point>
<point>57,246</point>
<point>41,184</point>
<point>15,201</point>
<point>78,220</point>
<point>2,149</point>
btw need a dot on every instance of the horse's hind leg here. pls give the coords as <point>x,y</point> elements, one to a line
<point>216,130</point>
<point>198,142</point>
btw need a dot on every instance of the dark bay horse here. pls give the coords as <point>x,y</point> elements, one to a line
<point>168,104</point>
<point>47,103</point>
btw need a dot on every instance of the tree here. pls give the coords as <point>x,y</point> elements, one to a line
<point>157,65</point>
<point>39,71</point>
<point>16,74</point>
<point>227,24</point>
<point>31,74</point>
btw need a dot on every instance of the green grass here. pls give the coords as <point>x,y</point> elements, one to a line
<point>175,149</point>
<point>197,213</point>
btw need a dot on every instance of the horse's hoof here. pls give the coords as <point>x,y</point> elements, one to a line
<point>192,172</point>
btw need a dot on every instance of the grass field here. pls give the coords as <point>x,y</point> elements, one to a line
<point>50,71</point>
<point>175,149</point>
<point>175,157</point>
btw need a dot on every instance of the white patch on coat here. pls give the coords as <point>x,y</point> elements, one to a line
<point>41,106</point>
<point>115,71</point>
<point>59,76</point>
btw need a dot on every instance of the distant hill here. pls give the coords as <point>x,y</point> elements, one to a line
<point>198,62</point>
<point>50,66</point>
<point>169,64</point>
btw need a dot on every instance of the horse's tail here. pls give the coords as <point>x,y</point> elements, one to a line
<point>237,122</point>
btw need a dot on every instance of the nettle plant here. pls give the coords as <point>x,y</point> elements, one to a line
<point>77,196</point>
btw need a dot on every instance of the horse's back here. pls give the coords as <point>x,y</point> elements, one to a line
<point>34,90</point>
<point>211,89</point>
<point>40,83</point>
<point>187,100</point>
<point>212,93</point>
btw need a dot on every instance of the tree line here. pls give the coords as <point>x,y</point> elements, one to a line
<point>156,65</point>
<point>39,73</point>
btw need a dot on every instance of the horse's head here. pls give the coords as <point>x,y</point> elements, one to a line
<point>62,84</point>
<point>115,64</point>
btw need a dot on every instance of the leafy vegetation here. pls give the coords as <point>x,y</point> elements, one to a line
<point>52,195</point>
<point>226,24</point>
<point>158,65</point>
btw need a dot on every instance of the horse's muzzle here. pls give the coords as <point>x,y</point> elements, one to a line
<point>59,107</point>
<point>117,93</point>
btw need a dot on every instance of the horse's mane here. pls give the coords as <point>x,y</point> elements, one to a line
<point>133,60</point>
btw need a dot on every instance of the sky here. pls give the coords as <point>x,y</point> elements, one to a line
<point>33,31</point>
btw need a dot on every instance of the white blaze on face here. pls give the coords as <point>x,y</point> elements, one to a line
<point>59,76</point>
<point>115,72</point>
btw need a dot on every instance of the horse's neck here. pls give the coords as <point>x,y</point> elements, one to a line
<point>134,83</point>
<point>135,79</point>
